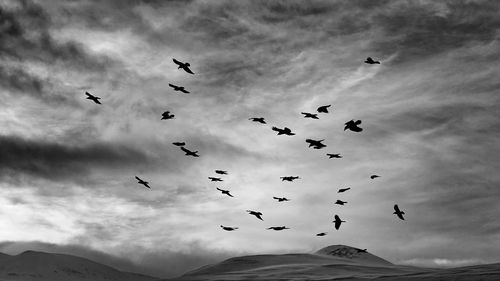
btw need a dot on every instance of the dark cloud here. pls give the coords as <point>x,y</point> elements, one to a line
<point>54,161</point>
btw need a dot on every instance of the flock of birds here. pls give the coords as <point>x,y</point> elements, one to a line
<point>352,125</point>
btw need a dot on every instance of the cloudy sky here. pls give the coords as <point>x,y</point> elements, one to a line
<point>430,112</point>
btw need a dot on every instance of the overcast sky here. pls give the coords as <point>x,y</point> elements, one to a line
<point>430,113</point>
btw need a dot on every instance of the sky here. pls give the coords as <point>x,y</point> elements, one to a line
<point>430,116</point>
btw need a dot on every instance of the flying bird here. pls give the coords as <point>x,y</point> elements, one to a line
<point>361,250</point>
<point>374,176</point>
<point>323,109</point>
<point>184,66</point>
<point>189,152</point>
<point>179,143</point>
<point>337,222</point>
<point>228,228</point>
<point>281,199</point>
<point>330,155</point>
<point>256,214</point>
<point>225,192</point>
<point>353,126</point>
<point>214,179</point>
<point>371,61</point>
<point>398,212</point>
<point>310,115</point>
<point>321,234</point>
<point>221,172</point>
<point>316,144</point>
<point>93,98</point>
<point>340,202</point>
<point>139,181</point>
<point>258,119</point>
<point>166,115</point>
<point>179,88</point>
<point>278,228</point>
<point>284,131</point>
<point>289,178</point>
<point>343,190</point>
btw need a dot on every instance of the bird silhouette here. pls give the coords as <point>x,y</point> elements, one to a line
<point>330,155</point>
<point>281,199</point>
<point>221,172</point>
<point>340,202</point>
<point>258,119</point>
<point>361,250</point>
<point>179,88</point>
<point>338,222</point>
<point>139,181</point>
<point>310,115</point>
<point>398,212</point>
<point>374,176</point>
<point>278,228</point>
<point>371,61</point>
<point>256,214</point>
<point>353,126</point>
<point>316,144</point>
<point>184,66</point>
<point>189,152</point>
<point>166,115</point>
<point>321,234</point>
<point>289,178</point>
<point>214,179</point>
<point>225,192</point>
<point>93,98</point>
<point>284,131</point>
<point>179,143</point>
<point>323,109</point>
<point>228,228</point>
<point>343,190</point>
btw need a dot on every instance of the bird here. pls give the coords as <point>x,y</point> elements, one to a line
<point>145,183</point>
<point>214,179</point>
<point>284,131</point>
<point>93,98</point>
<point>316,144</point>
<point>321,234</point>
<point>338,222</point>
<point>166,115</point>
<point>361,250</point>
<point>281,199</point>
<point>179,143</point>
<point>256,214</point>
<point>221,172</point>
<point>258,119</point>
<point>330,155</point>
<point>353,126</point>
<point>398,212</point>
<point>371,61</point>
<point>323,109</point>
<point>310,115</point>
<point>343,190</point>
<point>278,228</point>
<point>340,202</point>
<point>189,152</point>
<point>289,178</point>
<point>179,88</point>
<point>228,228</point>
<point>225,192</point>
<point>374,176</point>
<point>184,66</point>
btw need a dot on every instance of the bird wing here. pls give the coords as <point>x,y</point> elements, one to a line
<point>186,150</point>
<point>146,184</point>
<point>276,129</point>
<point>400,215</point>
<point>357,122</point>
<point>186,68</point>
<point>259,216</point>
<point>184,91</point>
<point>172,85</point>
<point>229,194</point>
<point>138,178</point>
<point>396,208</point>
<point>177,62</point>
<point>89,95</point>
